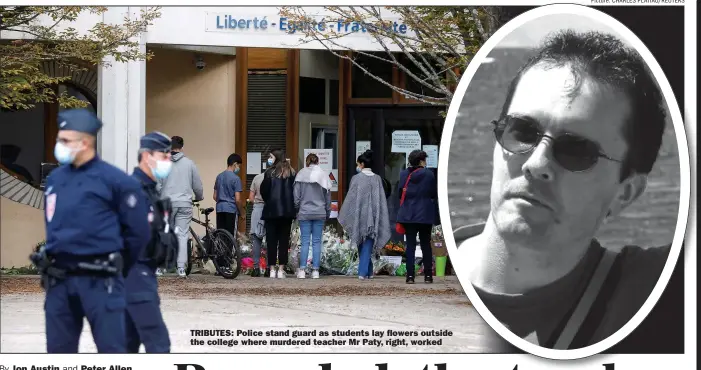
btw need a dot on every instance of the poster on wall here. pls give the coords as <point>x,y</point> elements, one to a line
<point>432,153</point>
<point>253,163</point>
<point>361,147</point>
<point>325,158</point>
<point>333,176</point>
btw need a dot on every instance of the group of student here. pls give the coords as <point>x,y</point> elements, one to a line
<point>280,195</point>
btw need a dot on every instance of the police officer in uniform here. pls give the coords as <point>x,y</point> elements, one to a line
<point>144,322</point>
<point>96,226</point>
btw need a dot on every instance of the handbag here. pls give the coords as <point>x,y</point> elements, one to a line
<point>398,226</point>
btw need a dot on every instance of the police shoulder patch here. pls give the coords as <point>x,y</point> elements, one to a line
<point>131,200</point>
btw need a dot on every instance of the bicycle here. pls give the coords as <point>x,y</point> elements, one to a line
<point>217,245</point>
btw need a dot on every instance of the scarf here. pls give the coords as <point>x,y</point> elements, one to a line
<point>364,212</point>
<point>314,174</point>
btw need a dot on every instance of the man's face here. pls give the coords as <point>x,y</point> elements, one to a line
<point>74,140</point>
<point>534,200</point>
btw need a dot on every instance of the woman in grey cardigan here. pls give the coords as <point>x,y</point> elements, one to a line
<point>364,214</point>
<point>312,191</point>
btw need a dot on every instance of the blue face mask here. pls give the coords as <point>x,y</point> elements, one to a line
<point>64,154</point>
<point>236,171</point>
<point>357,169</point>
<point>270,161</point>
<point>162,169</point>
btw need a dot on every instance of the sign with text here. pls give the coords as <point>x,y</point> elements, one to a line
<point>432,153</point>
<point>360,148</point>
<point>228,22</point>
<point>405,141</point>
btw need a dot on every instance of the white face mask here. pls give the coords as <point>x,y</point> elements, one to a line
<point>64,154</point>
<point>162,168</point>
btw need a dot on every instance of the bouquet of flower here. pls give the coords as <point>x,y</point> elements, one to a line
<point>394,249</point>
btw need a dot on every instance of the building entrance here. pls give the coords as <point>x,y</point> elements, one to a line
<point>373,128</point>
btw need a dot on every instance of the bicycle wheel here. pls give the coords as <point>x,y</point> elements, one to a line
<point>226,254</point>
<point>190,258</point>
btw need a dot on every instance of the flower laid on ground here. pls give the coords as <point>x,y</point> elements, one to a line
<point>339,256</point>
<point>394,249</point>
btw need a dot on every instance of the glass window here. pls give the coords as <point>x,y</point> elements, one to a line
<point>365,86</point>
<point>326,138</point>
<point>414,85</point>
<point>333,97</point>
<point>312,95</point>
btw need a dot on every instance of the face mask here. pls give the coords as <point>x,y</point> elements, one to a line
<point>357,169</point>
<point>270,161</point>
<point>236,171</point>
<point>64,154</point>
<point>162,169</point>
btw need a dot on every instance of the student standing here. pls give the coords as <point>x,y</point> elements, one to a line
<point>227,194</point>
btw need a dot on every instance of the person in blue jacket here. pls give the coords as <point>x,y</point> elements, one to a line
<point>96,225</point>
<point>144,321</point>
<point>418,212</point>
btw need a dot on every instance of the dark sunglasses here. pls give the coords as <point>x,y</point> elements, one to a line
<point>574,153</point>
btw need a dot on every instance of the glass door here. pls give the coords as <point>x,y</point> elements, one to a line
<point>382,130</point>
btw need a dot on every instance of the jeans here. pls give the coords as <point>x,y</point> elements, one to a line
<point>424,231</point>
<point>364,258</point>
<point>313,228</point>
<point>257,245</point>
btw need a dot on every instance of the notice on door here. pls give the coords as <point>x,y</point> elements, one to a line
<point>432,153</point>
<point>405,141</point>
<point>361,147</point>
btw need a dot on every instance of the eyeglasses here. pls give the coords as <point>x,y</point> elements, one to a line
<point>574,153</point>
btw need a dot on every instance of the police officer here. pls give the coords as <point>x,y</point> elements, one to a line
<point>96,224</point>
<point>144,322</point>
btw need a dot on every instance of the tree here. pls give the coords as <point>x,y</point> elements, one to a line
<point>434,47</point>
<point>47,35</point>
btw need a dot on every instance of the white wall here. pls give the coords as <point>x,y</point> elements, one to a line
<point>198,26</point>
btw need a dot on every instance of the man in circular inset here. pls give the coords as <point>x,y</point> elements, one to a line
<point>579,132</point>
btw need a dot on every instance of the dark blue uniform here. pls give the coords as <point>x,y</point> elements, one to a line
<point>144,321</point>
<point>91,211</point>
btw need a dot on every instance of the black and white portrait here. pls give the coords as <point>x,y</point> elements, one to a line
<point>563,183</point>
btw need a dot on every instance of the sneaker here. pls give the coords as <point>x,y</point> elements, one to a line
<point>159,272</point>
<point>255,272</point>
<point>315,274</point>
<point>181,272</point>
<point>273,273</point>
<point>281,273</point>
<point>301,274</point>
<point>361,277</point>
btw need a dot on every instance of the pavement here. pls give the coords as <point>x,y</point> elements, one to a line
<point>201,309</point>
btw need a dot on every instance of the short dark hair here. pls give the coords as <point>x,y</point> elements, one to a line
<point>366,158</point>
<point>416,156</point>
<point>608,60</point>
<point>233,158</point>
<point>177,142</point>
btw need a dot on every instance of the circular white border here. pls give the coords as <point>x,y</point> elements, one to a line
<point>682,148</point>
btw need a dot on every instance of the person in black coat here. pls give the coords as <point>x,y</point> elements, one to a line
<point>277,190</point>
<point>418,212</point>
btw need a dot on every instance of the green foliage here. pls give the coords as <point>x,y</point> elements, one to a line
<point>45,34</point>
<point>441,43</point>
<point>27,270</point>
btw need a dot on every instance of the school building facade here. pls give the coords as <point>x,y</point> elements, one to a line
<point>227,80</point>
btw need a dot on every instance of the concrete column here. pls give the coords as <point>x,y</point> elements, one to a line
<point>122,101</point>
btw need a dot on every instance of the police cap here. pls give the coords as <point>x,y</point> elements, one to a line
<point>81,120</point>
<point>156,141</point>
